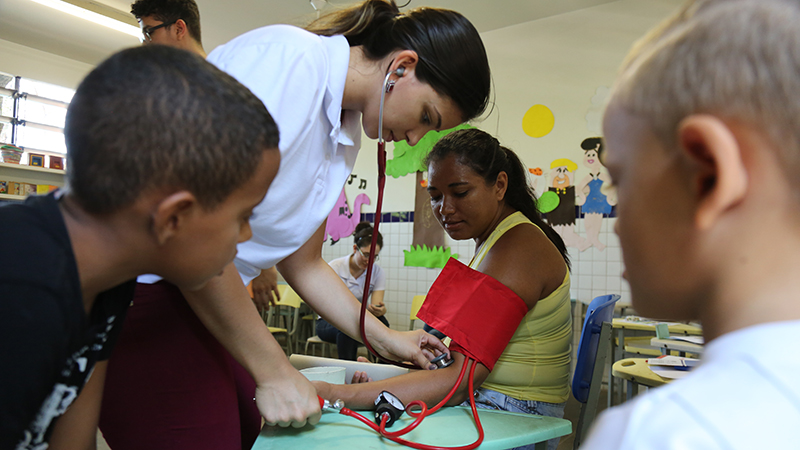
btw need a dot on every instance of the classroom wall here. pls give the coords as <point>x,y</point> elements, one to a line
<point>559,62</point>
<point>27,62</point>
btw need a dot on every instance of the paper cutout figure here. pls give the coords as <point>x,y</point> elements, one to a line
<point>407,159</point>
<point>562,218</point>
<point>593,201</point>
<point>422,256</point>
<point>547,202</point>
<point>341,222</point>
<point>538,121</point>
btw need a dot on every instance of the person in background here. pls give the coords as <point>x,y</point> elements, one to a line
<point>148,191</point>
<point>479,190</point>
<point>352,269</point>
<point>703,146</point>
<point>324,85</point>
<point>175,23</point>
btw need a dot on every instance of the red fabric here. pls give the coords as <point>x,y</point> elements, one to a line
<point>171,386</point>
<point>477,312</point>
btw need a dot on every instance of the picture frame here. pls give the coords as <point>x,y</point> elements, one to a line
<point>56,162</point>
<point>35,160</point>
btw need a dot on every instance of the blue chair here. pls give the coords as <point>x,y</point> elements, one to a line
<point>591,360</point>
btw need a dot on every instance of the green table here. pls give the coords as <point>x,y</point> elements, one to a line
<point>448,427</point>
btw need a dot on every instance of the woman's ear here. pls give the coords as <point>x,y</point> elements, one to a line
<point>407,59</point>
<point>501,185</point>
<point>719,180</point>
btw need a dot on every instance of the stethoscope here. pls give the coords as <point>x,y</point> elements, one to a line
<point>389,407</point>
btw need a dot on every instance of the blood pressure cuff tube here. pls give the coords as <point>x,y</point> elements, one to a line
<point>477,312</point>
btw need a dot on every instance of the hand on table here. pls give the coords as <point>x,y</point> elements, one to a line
<point>264,287</point>
<point>288,399</point>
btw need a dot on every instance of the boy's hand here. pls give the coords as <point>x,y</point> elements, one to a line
<point>289,399</point>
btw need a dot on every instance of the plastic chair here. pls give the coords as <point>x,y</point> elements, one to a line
<point>291,302</point>
<point>591,360</point>
<point>416,304</point>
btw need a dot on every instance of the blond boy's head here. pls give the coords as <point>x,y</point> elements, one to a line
<point>703,146</point>
<point>736,59</point>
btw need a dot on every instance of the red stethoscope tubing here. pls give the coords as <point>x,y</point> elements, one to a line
<point>424,412</point>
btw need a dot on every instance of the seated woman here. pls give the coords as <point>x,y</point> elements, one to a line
<point>479,191</point>
<point>352,269</point>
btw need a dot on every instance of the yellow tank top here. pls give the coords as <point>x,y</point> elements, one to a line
<point>536,362</point>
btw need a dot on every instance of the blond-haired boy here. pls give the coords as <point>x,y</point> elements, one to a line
<point>703,145</point>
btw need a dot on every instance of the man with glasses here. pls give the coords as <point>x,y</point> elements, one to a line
<point>170,22</point>
<point>352,270</point>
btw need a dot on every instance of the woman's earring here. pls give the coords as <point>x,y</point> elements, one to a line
<point>390,85</point>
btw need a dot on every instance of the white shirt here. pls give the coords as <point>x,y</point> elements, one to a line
<point>356,285</point>
<point>300,77</point>
<point>744,395</point>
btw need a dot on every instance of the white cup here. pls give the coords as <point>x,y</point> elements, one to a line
<point>328,374</point>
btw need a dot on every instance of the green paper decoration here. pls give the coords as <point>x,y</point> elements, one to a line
<point>408,159</point>
<point>434,258</point>
<point>548,202</point>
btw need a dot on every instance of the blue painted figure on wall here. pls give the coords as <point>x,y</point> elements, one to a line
<point>594,193</point>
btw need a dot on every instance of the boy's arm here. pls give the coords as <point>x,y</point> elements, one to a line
<point>319,286</point>
<point>283,395</point>
<point>77,428</point>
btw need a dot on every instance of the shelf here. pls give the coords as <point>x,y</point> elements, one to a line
<point>32,168</point>
<point>12,197</point>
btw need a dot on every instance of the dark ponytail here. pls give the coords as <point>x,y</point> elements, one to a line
<point>363,235</point>
<point>483,153</point>
<point>452,59</point>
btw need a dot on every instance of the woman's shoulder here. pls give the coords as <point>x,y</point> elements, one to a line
<point>272,36</point>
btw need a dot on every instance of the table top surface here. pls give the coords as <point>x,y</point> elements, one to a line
<point>672,344</point>
<point>636,369</point>
<point>449,427</point>
<point>647,325</point>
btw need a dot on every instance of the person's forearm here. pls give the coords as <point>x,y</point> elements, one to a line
<point>430,386</point>
<point>225,308</point>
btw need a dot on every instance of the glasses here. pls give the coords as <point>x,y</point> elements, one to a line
<point>148,31</point>
<point>366,256</point>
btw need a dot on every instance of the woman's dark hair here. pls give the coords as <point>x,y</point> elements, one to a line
<point>482,153</point>
<point>363,235</point>
<point>452,59</point>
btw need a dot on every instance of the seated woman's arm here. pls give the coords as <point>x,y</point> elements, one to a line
<point>430,386</point>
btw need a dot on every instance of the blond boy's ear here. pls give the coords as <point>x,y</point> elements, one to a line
<point>719,180</point>
<point>171,214</point>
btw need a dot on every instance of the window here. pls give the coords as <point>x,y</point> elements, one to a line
<point>32,114</point>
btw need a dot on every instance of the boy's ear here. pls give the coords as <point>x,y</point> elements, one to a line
<point>171,214</point>
<point>719,179</point>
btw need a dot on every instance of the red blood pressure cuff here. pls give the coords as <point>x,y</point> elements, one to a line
<point>477,312</point>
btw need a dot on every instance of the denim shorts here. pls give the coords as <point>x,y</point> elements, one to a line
<point>489,399</point>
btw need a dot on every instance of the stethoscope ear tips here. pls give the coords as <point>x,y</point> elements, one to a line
<point>400,71</point>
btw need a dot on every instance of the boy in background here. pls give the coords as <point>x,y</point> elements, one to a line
<point>704,148</point>
<point>167,157</point>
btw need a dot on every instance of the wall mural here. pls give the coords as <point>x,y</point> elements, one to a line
<point>342,220</point>
<point>595,196</point>
<point>427,246</point>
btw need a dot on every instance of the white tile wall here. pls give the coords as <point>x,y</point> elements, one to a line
<point>594,272</point>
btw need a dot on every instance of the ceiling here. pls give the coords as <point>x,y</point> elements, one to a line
<point>33,25</point>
